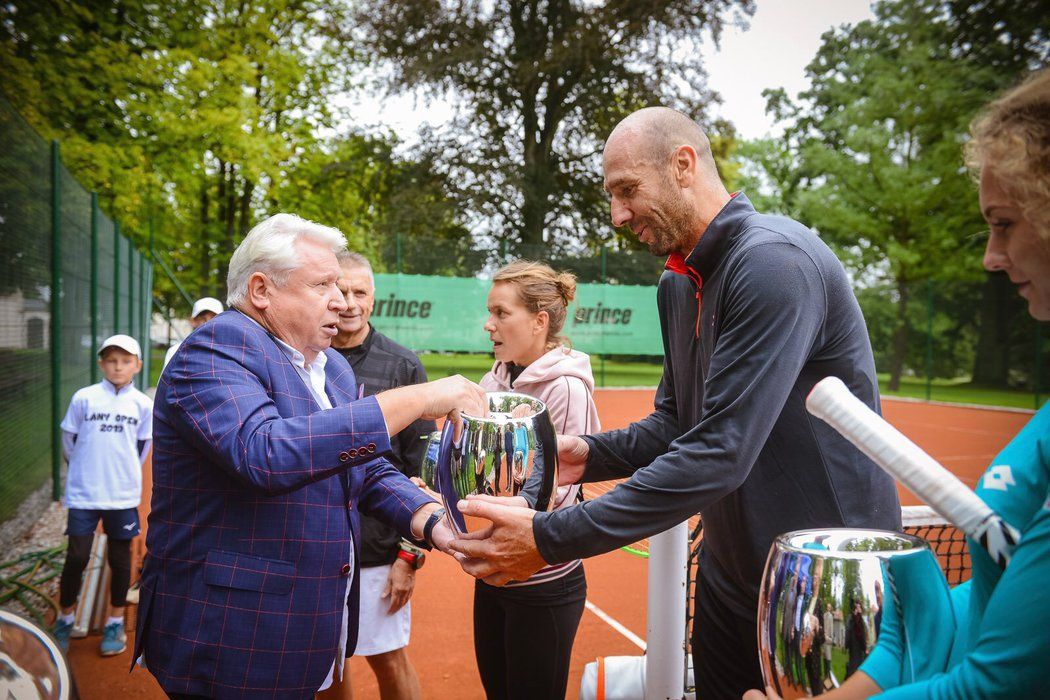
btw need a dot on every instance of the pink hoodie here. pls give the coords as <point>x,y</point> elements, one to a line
<point>562,380</point>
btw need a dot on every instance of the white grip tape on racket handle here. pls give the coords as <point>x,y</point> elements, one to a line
<point>833,403</point>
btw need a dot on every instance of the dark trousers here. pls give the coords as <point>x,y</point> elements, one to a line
<point>118,554</point>
<point>523,646</point>
<point>725,649</point>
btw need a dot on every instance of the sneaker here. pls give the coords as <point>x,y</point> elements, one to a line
<point>114,641</point>
<point>61,632</point>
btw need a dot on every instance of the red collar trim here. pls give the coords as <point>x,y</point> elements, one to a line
<point>676,263</point>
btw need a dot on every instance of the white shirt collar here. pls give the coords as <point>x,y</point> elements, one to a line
<point>313,376</point>
<point>111,388</point>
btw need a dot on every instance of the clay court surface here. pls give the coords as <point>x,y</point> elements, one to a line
<point>963,439</point>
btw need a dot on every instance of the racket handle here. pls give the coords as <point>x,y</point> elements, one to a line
<point>832,402</point>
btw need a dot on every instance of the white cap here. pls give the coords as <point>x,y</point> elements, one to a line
<point>206,304</point>
<point>124,342</point>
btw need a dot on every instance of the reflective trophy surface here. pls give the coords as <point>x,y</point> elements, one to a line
<point>820,605</point>
<point>31,665</point>
<point>513,451</point>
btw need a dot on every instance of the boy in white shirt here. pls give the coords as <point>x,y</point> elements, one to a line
<point>106,434</point>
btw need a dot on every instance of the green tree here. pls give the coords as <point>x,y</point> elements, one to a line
<point>190,112</point>
<point>877,143</point>
<point>872,159</point>
<point>539,84</point>
<point>358,184</point>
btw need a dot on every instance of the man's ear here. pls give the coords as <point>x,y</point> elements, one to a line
<point>684,166</point>
<point>259,286</point>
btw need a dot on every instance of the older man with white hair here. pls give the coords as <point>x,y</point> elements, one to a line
<point>263,456</point>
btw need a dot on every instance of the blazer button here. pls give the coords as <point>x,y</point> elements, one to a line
<point>371,447</point>
<point>353,452</point>
<point>345,570</point>
<point>344,456</point>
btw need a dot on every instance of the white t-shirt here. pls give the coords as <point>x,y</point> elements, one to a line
<point>104,468</point>
<point>170,354</point>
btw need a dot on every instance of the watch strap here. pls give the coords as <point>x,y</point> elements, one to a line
<point>432,521</point>
<point>412,558</point>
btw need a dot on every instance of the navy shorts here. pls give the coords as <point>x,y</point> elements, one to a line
<point>117,524</point>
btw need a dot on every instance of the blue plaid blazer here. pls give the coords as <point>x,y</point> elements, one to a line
<point>255,498</point>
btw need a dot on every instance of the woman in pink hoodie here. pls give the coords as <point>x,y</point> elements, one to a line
<point>523,632</point>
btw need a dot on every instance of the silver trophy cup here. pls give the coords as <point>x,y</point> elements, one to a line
<point>513,451</point>
<point>31,665</point>
<point>820,605</point>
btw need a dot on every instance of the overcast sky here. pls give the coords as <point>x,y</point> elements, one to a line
<point>782,37</point>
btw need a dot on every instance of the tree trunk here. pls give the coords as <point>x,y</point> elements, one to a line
<point>536,192</point>
<point>900,337</point>
<point>991,365</point>
<point>204,284</point>
<point>245,213</point>
<point>230,209</point>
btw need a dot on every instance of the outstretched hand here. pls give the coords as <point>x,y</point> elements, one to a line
<point>506,550</point>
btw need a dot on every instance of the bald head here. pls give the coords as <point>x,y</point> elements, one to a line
<point>656,133</point>
<point>662,180</point>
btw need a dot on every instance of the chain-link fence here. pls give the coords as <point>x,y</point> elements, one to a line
<point>68,279</point>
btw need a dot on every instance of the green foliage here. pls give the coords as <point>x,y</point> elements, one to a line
<point>872,158</point>
<point>207,116</point>
<point>538,87</point>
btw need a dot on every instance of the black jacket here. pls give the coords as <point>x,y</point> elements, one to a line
<point>730,437</point>
<point>380,364</point>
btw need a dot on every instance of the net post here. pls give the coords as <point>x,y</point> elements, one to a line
<point>668,593</point>
<point>397,253</point>
<point>95,340</point>
<point>56,321</point>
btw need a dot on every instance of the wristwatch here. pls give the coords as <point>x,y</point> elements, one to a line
<point>414,556</point>
<point>428,528</point>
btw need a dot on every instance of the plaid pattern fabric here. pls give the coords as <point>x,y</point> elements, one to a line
<point>255,499</point>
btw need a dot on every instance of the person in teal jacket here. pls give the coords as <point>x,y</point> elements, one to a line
<point>990,637</point>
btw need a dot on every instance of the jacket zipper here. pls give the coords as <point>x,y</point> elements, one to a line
<point>677,264</point>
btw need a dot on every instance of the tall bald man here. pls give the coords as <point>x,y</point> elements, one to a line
<point>754,310</point>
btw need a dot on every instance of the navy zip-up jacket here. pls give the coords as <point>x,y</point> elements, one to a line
<point>758,313</point>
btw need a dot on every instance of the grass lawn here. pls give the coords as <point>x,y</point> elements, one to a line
<point>962,391</point>
<point>473,367</point>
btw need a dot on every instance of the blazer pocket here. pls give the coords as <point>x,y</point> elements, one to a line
<point>247,572</point>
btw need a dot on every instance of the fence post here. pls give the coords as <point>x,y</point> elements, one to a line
<point>95,340</point>
<point>116,277</point>
<point>143,324</point>
<point>131,289</point>
<point>56,321</point>
<point>929,339</point>
<point>601,357</point>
